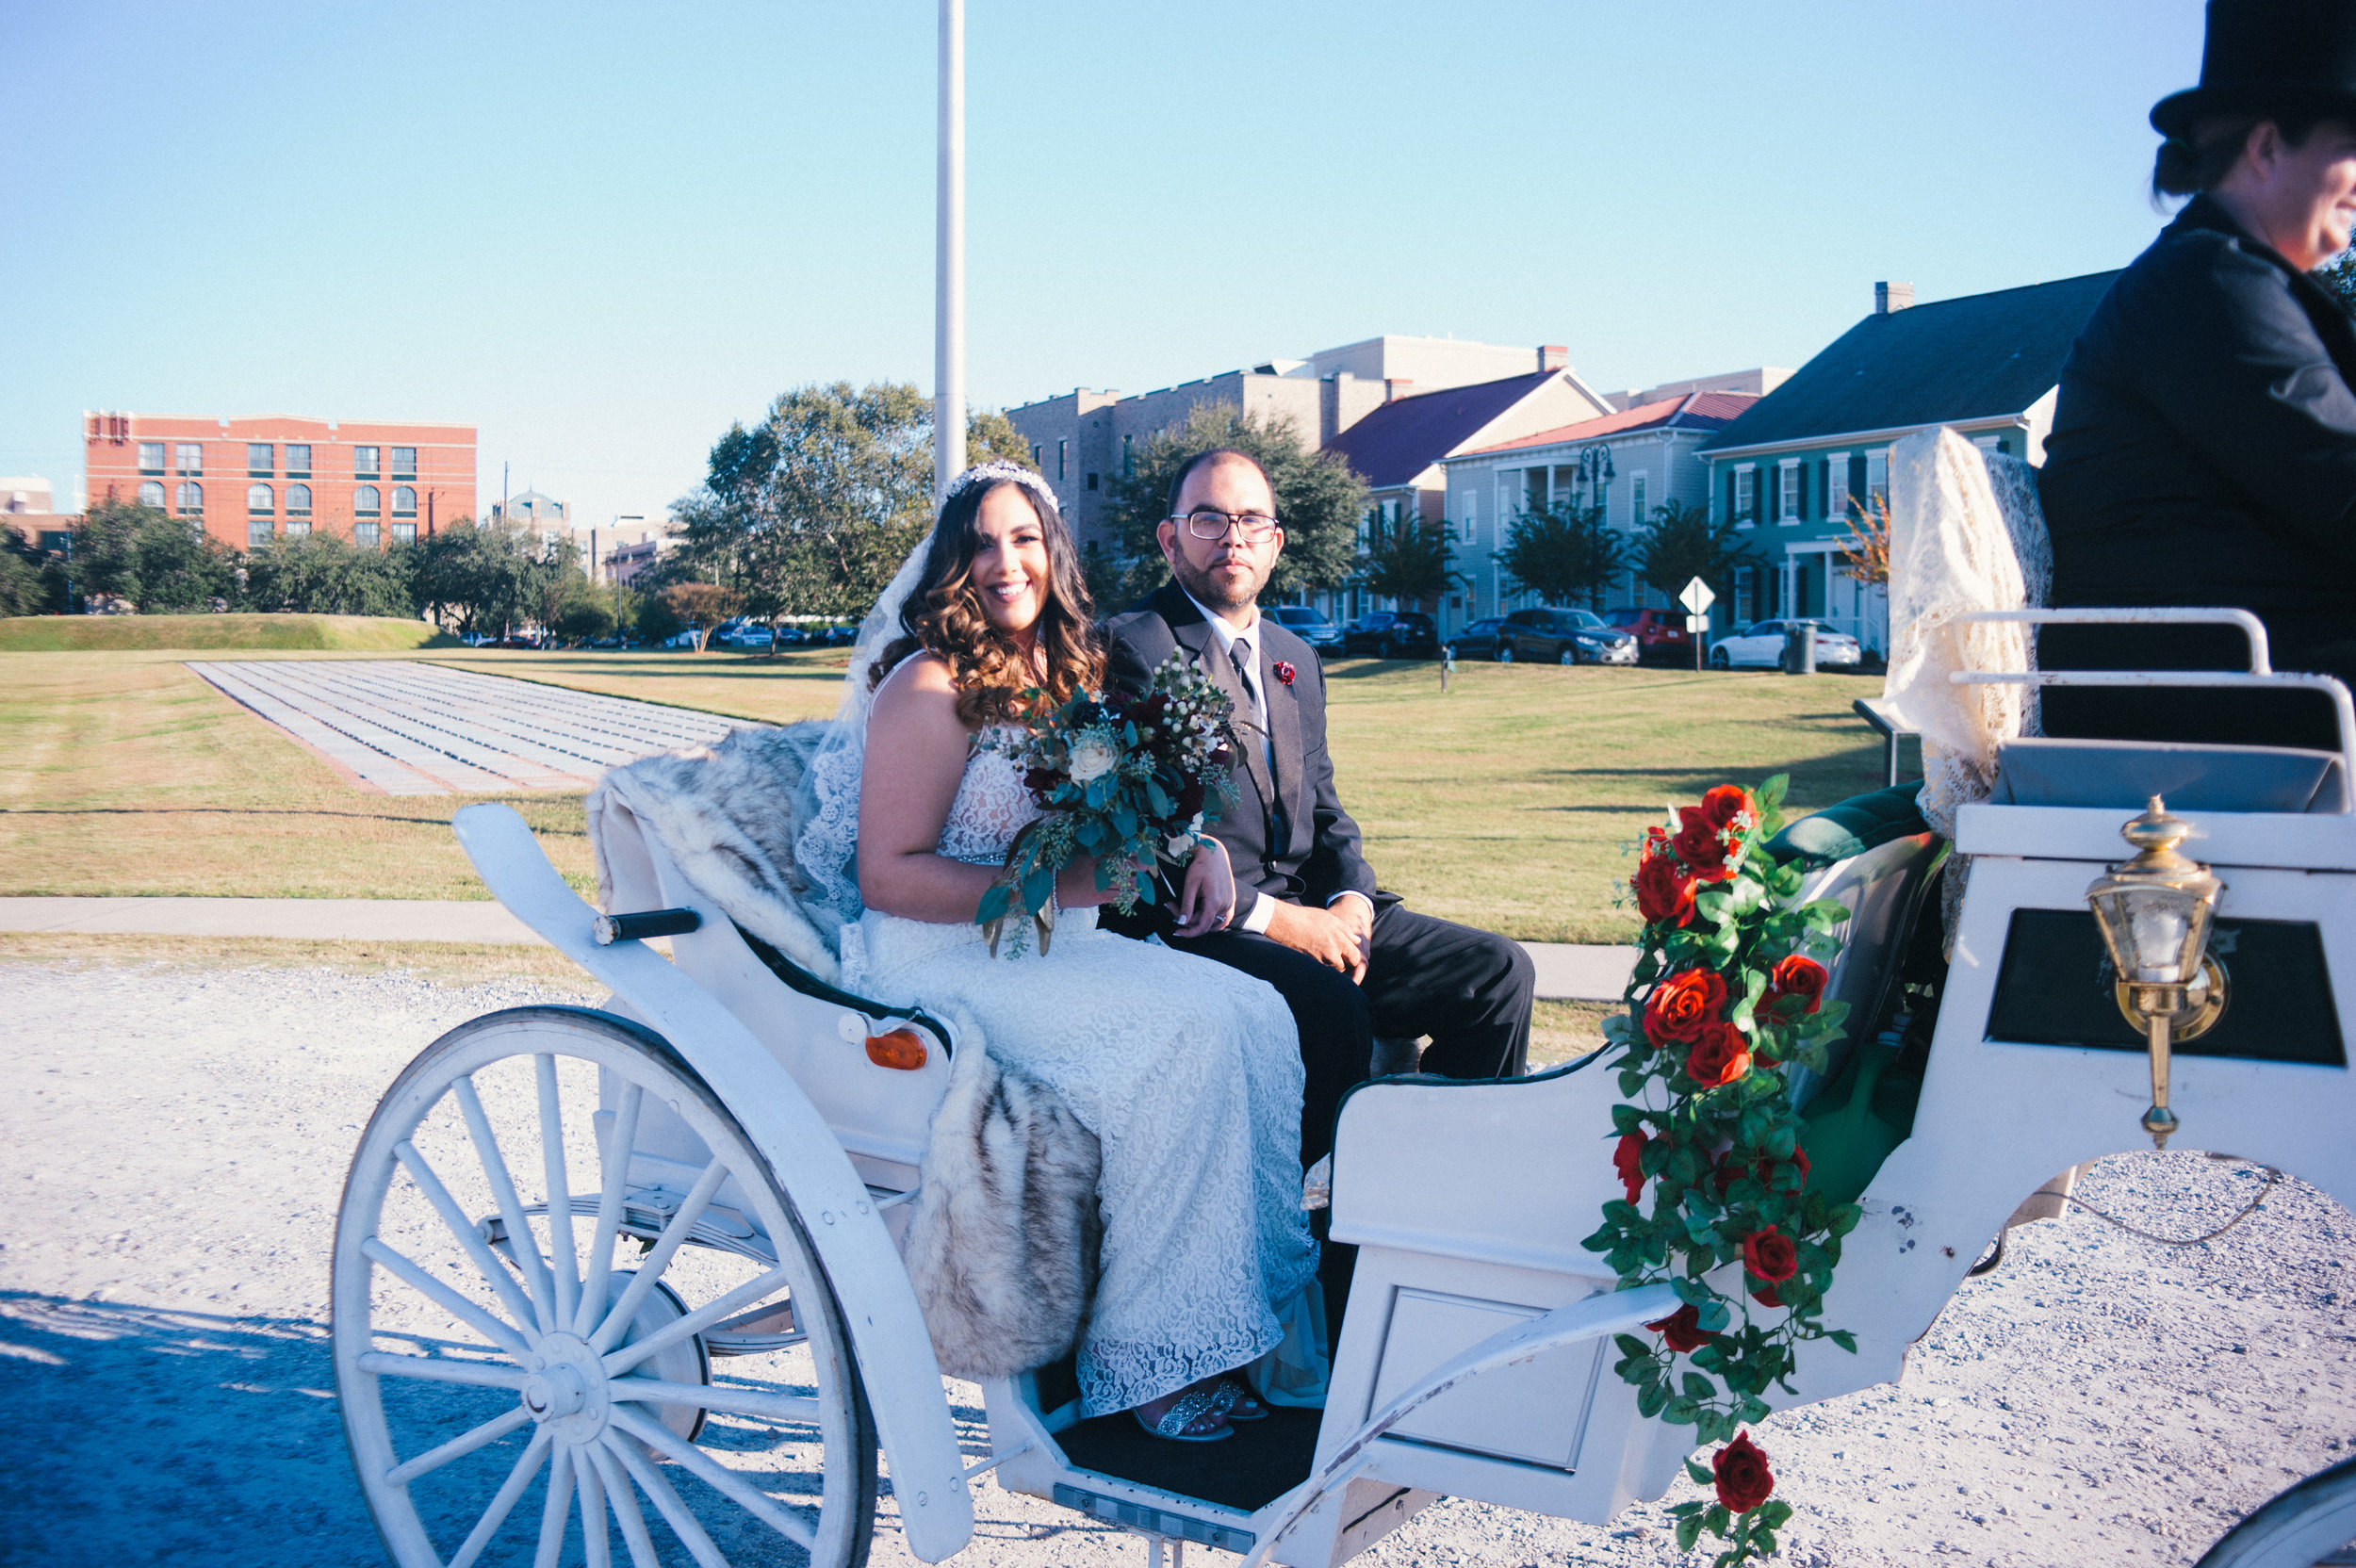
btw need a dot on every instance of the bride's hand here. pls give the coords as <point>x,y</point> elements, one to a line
<point>1207,901</point>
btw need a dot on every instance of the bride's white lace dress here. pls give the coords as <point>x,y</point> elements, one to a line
<point>1187,1071</point>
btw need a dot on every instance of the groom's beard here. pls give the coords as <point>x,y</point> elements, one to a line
<point>1210,592</point>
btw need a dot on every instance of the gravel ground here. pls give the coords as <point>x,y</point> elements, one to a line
<point>172,1143</point>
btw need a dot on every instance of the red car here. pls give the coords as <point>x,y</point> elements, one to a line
<point>1660,634</point>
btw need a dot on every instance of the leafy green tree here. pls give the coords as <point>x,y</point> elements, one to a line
<point>584,616</point>
<point>1408,559</point>
<point>809,511</point>
<point>655,620</point>
<point>1564,552</point>
<point>25,585</point>
<point>702,606</point>
<point>1318,500</point>
<point>164,564</point>
<point>485,579</point>
<point>320,573</point>
<point>1681,543</point>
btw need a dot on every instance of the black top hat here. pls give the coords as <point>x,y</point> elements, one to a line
<point>2268,56</point>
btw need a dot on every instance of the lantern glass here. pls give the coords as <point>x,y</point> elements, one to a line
<point>2155,932</point>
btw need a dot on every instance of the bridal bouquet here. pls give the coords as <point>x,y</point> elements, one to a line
<point>1130,780</point>
<point>1729,988</point>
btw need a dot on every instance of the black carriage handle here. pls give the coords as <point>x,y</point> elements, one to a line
<point>609,929</point>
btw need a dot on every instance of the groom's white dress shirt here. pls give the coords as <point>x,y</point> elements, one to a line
<point>1239,643</point>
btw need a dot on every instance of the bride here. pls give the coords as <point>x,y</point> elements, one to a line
<point>1187,1071</point>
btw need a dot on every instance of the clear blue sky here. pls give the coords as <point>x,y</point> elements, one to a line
<point>601,231</point>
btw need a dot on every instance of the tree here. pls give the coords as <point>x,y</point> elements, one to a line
<point>702,606</point>
<point>163,565</point>
<point>1681,543</point>
<point>1318,500</point>
<point>24,587</point>
<point>1562,553</point>
<point>482,577</point>
<point>1865,553</point>
<point>1408,559</point>
<point>656,621</point>
<point>320,573</point>
<point>582,617</point>
<point>811,511</point>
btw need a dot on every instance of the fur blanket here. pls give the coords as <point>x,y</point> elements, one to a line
<point>727,815</point>
<point>1002,1239</point>
<point>1003,1242</point>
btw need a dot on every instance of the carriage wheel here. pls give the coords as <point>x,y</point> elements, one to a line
<point>523,1338</point>
<point>2308,1526</point>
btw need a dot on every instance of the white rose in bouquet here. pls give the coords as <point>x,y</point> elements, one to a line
<point>1094,755</point>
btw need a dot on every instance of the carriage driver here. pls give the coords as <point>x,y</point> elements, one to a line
<point>2203,450</point>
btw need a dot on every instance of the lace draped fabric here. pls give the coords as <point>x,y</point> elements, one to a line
<point>1966,534</point>
<point>1189,1075</point>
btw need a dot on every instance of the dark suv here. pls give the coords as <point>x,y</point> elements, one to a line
<point>1310,627</point>
<point>1392,635</point>
<point>1562,637</point>
<point>1660,634</point>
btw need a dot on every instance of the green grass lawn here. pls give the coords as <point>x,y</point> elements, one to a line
<point>119,634</point>
<point>1513,801</point>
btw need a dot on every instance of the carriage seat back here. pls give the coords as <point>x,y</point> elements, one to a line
<point>2192,778</point>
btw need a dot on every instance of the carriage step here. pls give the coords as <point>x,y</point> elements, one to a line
<point>1154,1521</point>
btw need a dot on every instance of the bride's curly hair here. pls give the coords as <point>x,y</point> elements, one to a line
<point>944,615</point>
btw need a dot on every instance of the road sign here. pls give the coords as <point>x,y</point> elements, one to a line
<point>1697,596</point>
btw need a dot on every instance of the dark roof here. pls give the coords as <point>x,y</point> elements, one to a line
<point>1956,359</point>
<point>1694,411</point>
<point>1399,440</point>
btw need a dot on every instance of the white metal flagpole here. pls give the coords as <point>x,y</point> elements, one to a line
<point>949,260</point>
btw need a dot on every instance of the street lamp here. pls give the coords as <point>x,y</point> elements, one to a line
<point>2155,912</point>
<point>1594,469</point>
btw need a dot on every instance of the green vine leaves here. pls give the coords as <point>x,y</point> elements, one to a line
<point>1728,992</point>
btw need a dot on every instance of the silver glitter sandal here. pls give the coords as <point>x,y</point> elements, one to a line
<point>1189,1409</point>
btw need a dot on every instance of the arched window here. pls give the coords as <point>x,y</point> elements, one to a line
<point>298,501</point>
<point>151,494</point>
<point>366,502</point>
<point>192,499</point>
<point>259,501</point>
<point>404,501</point>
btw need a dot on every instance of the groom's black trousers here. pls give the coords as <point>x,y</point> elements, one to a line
<point>1469,991</point>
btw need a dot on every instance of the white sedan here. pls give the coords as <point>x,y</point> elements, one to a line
<point>1759,646</point>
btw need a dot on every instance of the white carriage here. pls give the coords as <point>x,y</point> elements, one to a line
<point>752,1135</point>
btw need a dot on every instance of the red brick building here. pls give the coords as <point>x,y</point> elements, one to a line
<point>246,480</point>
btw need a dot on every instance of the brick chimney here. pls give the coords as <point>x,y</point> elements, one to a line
<point>1553,356</point>
<point>1889,298</point>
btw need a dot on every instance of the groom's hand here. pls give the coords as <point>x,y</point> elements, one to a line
<point>1323,935</point>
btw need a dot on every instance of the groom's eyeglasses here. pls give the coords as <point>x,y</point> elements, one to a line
<point>1255,526</point>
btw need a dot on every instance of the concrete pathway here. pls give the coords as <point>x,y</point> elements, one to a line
<point>412,729</point>
<point>1566,972</point>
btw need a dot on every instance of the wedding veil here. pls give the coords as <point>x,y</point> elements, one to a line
<point>828,848</point>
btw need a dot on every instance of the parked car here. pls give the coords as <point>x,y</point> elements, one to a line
<point>1412,635</point>
<point>1562,637</point>
<point>1478,640</point>
<point>1760,646</point>
<point>1310,627</point>
<point>837,636</point>
<point>1364,637</point>
<point>1660,634</point>
<point>479,639</point>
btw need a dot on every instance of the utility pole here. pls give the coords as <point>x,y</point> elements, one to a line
<point>949,260</point>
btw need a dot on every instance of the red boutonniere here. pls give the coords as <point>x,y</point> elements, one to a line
<point>1283,673</point>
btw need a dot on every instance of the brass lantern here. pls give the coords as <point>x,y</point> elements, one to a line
<point>2155,912</point>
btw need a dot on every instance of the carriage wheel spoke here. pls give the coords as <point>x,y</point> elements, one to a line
<point>457,1448</point>
<point>563,1256</point>
<point>447,1299</point>
<point>596,1539</point>
<point>714,1474</point>
<point>614,1157</point>
<point>501,1278</point>
<point>666,1502</point>
<point>486,1149</point>
<point>650,1267</point>
<point>735,1401</point>
<point>618,1361</point>
<point>555,1508</point>
<point>527,1463</point>
<point>442,1369</point>
<point>626,1514</point>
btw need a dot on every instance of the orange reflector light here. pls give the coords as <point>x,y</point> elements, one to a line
<point>903,1048</point>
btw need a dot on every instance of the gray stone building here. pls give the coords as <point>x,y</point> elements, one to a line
<point>1083,438</point>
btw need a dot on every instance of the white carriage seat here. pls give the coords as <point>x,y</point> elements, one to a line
<point>713,830</point>
<point>2192,778</point>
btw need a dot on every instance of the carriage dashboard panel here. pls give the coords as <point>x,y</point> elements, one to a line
<point>2055,987</point>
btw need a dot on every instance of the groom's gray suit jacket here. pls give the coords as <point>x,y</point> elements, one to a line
<point>1286,834</point>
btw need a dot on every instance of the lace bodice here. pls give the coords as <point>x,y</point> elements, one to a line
<point>990,807</point>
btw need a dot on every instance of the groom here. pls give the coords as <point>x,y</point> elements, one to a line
<point>1352,961</point>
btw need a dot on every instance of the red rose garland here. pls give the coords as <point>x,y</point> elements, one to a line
<point>1728,989</point>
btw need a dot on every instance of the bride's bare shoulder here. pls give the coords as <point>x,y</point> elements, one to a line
<point>920,690</point>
